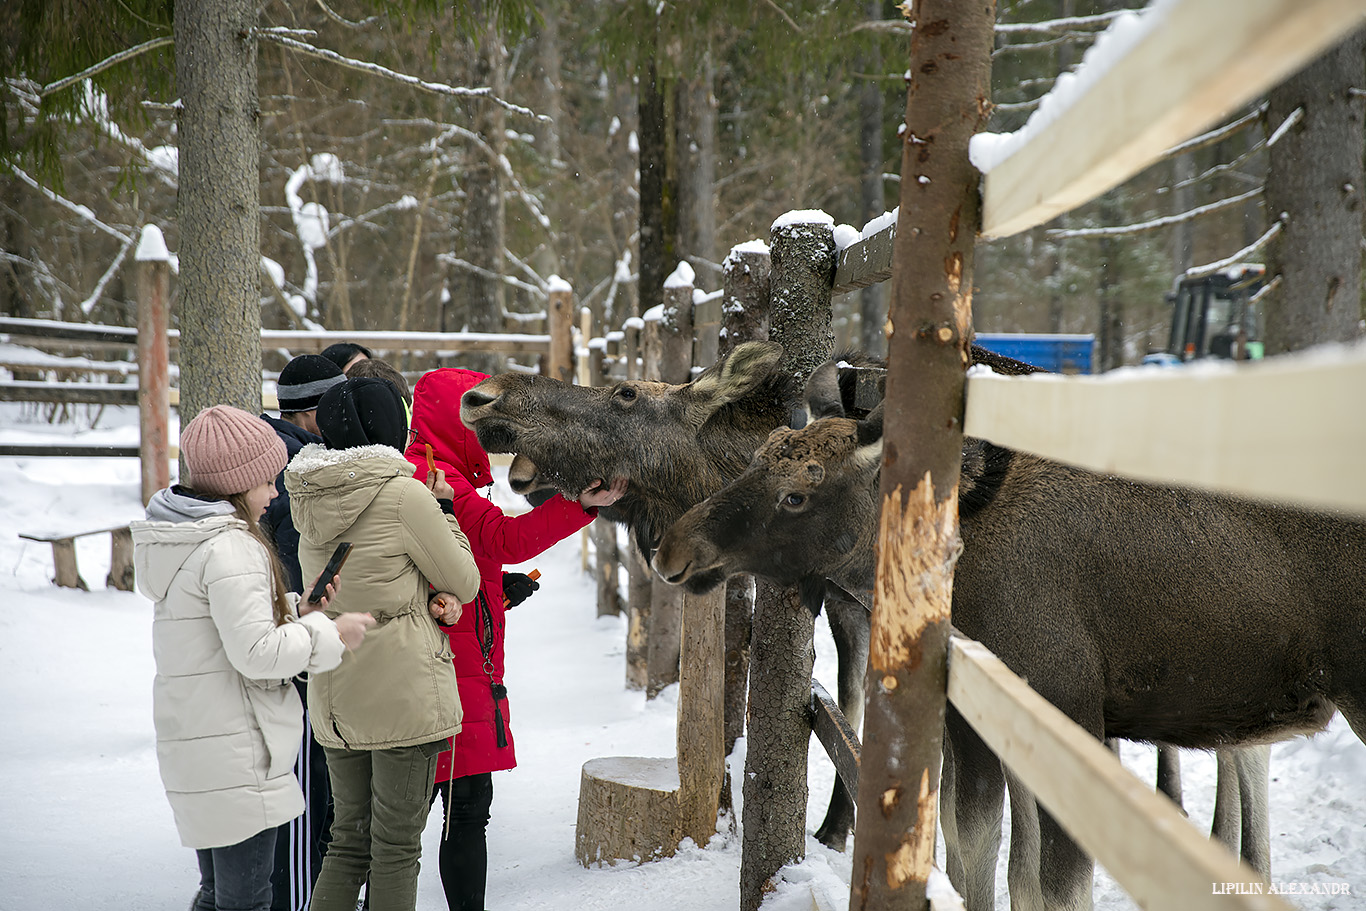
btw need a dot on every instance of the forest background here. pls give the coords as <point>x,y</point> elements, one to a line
<point>616,139</point>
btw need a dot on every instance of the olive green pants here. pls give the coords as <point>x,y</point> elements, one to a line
<point>380,803</point>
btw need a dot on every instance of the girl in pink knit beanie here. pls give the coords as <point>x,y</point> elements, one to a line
<point>228,639</point>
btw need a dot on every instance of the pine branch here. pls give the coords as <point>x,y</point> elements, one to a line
<point>452,260</point>
<point>374,69</point>
<point>75,208</point>
<point>1215,135</point>
<point>341,20</point>
<point>89,303</point>
<point>105,64</point>
<point>1154,224</point>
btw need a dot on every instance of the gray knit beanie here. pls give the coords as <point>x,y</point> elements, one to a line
<point>229,451</point>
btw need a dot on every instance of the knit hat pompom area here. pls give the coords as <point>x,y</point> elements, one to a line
<point>228,450</point>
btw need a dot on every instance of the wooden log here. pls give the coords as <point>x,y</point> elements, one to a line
<point>154,383</point>
<point>775,788</point>
<point>835,733</point>
<point>701,714</point>
<point>745,286</point>
<point>628,810</point>
<point>929,329</point>
<point>605,548</point>
<point>560,315</point>
<point>676,335</point>
<point>663,637</point>
<point>120,560</point>
<point>638,592</point>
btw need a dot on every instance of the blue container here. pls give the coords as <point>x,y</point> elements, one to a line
<point>1056,353</point>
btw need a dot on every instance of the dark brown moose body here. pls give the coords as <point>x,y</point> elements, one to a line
<point>1143,612</point>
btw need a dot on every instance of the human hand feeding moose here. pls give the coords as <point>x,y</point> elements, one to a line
<point>1143,612</point>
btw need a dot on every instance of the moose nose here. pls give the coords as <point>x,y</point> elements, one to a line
<point>474,399</point>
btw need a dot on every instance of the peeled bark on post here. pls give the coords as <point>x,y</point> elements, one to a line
<point>781,656</point>
<point>639,587</point>
<point>218,206</point>
<point>1318,254</point>
<point>154,385</point>
<point>928,337</point>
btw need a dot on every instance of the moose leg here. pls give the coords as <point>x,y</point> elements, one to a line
<point>849,628</point>
<point>1227,825</point>
<point>978,801</point>
<point>1169,772</point>
<point>1065,870</point>
<point>1022,872</point>
<point>1253,765</point>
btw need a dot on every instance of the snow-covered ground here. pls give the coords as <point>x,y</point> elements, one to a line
<point>86,825</point>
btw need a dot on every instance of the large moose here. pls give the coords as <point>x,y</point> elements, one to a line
<point>1144,612</point>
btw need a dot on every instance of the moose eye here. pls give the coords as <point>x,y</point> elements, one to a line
<point>794,500</point>
<point>626,394</point>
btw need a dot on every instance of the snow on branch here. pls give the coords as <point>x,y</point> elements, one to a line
<point>453,260</point>
<point>1243,254</point>
<point>105,64</point>
<point>1215,135</point>
<point>342,20</point>
<point>1291,119</point>
<point>1057,25</point>
<point>89,303</point>
<point>1155,223</point>
<point>75,208</point>
<point>374,69</point>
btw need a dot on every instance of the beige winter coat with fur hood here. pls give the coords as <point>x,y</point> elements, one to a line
<point>228,719</point>
<point>399,688</point>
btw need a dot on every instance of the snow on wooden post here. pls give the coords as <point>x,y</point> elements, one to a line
<point>675,326</point>
<point>560,316</point>
<point>802,247</point>
<point>929,327</point>
<point>154,387</point>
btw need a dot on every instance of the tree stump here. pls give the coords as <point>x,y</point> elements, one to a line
<point>628,810</point>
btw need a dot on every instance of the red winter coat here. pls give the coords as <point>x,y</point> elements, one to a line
<point>494,539</point>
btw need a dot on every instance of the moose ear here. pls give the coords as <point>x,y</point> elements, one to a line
<point>870,436</point>
<point>823,393</point>
<point>732,377</point>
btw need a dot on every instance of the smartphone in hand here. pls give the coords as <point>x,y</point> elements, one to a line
<point>334,565</point>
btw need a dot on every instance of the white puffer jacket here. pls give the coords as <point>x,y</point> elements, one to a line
<point>228,719</point>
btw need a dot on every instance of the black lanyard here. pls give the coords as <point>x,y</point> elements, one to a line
<point>484,617</point>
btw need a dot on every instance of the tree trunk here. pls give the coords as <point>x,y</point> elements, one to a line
<point>626,211</point>
<point>218,207</point>
<point>931,319</point>
<point>1111,341</point>
<point>781,655</point>
<point>548,50</point>
<point>655,238</point>
<point>483,224</point>
<point>1316,178</point>
<point>872,299</point>
<point>695,147</point>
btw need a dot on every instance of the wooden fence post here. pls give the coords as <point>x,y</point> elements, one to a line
<point>154,387</point>
<point>803,268</point>
<point>560,317</point>
<point>639,581</point>
<point>929,328</point>
<point>744,318</point>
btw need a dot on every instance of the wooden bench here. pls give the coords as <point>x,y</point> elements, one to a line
<point>64,556</point>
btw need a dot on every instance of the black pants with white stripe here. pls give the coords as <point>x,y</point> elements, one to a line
<point>301,843</point>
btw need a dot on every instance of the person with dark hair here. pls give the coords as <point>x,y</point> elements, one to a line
<point>373,366</point>
<point>484,745</point>
<point>301,842</point>
<point>227,638</point>
<point>344,354</point>
<point>382,718</point>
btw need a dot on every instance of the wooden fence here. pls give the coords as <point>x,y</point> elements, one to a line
<point>1283,430</point>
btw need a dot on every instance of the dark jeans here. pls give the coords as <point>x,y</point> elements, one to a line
<point>380,800</point>
<point>236,878</point>
<point>464,857</point>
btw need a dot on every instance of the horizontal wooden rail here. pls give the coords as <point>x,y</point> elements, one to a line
<point>835,733</point>
<point>73,335</point>
<point>1196,62</point>
<point>1138,835</point>
<point>1289,429</point>
<point>865,263</point>
<point>68,393</point>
